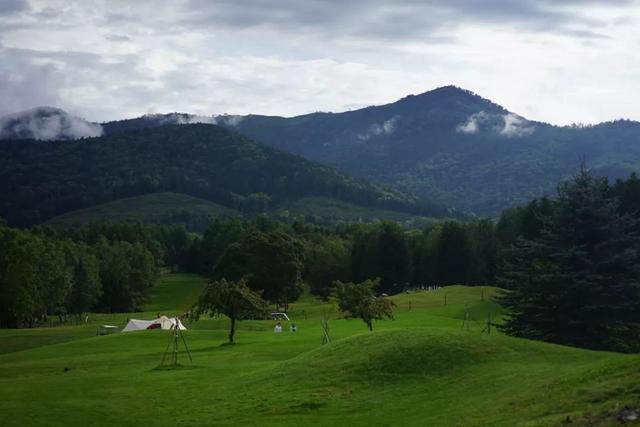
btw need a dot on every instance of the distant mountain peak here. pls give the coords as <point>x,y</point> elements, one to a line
<point>46,123</point>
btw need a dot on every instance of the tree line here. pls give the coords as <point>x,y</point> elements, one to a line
<point>570,265</point>
<point>109,267</point>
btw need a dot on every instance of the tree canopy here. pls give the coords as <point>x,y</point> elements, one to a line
<point>358,300</point>
<point>233,299</point>
<point>577,282</point>
<point>273,263</point>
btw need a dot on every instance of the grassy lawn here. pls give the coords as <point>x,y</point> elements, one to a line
<point>423,368</point>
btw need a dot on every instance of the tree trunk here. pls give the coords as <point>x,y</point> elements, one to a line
<point>232,330</point>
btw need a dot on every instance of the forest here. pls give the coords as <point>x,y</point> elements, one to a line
<point>531,251</point>
<point>39,179</point>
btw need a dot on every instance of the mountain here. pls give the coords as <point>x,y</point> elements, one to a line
<point>46,123</point>
<point>154,120</point>
<point>40,180</point>
<point>452,146</point>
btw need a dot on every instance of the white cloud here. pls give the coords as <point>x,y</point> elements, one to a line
<point>472,125</point>
<point>509,125</point>
<point>181,118</point>
<point>385,128</point>
<point>561,62</point>
<point>46,123</point>
<point>515,126</point>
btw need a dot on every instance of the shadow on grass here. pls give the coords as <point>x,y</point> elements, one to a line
<point>178,367</point>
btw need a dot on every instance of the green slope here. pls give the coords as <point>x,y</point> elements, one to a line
<point>326,210</point>
<point>421,369</point>
<point>196,213</point>
<point>166,208</point>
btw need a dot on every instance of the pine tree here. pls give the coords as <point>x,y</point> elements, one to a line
<point>578,283</point>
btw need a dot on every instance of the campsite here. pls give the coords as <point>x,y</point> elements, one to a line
<point>321,213</point>
<point>424,365</point>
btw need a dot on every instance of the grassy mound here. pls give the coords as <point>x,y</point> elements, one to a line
<point>424,368</point>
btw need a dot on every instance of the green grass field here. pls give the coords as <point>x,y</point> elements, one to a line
<point>423,368</point>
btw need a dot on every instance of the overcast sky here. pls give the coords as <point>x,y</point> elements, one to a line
<point>559,61</point>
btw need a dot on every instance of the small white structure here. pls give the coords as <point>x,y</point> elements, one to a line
<point>279,316</point>
<point>278,328</point>
<point>163,322</point>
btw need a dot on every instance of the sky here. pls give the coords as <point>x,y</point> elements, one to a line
<point>558,61</point>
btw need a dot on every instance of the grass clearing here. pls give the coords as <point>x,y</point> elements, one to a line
<point>423,368</point>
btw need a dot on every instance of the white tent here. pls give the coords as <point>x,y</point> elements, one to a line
<point>162,322</point>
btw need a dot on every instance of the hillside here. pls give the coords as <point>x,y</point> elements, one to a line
<point>157,208</point>
<point>420,369</point>
<point>40,180</point>
<point>322,210</point>
<point>452,145</point>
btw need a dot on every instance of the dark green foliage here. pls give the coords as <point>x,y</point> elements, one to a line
<point>40,180</point>
<point>526,221</point>
<point>127,271</point>
<point>86,285</point>
<point>328,258</point>
<point>358,300</point>
<point>20,277</point>
<point>233,299</point>
<point>273,263</point>
<point>578,282</point>
<point>382,251</point>
<point>454,259</point>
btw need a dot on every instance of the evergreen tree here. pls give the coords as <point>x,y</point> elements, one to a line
<point>578,283</point>
<point>454,263</point>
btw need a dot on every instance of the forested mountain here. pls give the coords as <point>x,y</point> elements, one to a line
<point>452,145</point>
<point>449,146</point>
<point>39,180</point>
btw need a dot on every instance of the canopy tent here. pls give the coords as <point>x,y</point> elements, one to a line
<point>163,322</point>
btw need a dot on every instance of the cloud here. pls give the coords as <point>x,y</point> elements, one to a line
<point>180,118</point>
<point>392,20</point>
<point>8,7</point>
<point>385,128</point>
<point>230,120</point>
<point>117,38</point>
<point>472,125</point>
<point>515,126</point>
<point>46,123</point>
<point>116,59</point>
<point>509,125</point>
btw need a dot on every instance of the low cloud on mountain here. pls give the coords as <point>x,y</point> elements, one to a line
<point>46,123</point>
<point>509,125</point>
<point>385,128</point>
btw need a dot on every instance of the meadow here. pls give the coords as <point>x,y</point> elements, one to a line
<point>426,367</point>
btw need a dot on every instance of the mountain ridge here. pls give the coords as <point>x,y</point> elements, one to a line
<point>41,180</point>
